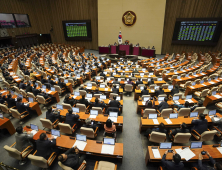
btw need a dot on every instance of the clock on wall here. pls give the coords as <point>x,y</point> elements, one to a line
<point>3,32</point>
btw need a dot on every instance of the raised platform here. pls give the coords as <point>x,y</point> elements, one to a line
<point>116,57</point>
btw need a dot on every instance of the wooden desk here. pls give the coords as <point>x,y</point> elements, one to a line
<point>54,94</point>
<point>211,99</point>
<point>91,148</point>
<point>212,151</point>
<point>6,123</point>
<point>148,123</point>
<point>100,118</point>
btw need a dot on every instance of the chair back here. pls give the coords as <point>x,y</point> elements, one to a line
<point>82,107</point>
<point>100,111</point>
<point>204,93</point>
<point>199,110</point>
<point>148,111</point>
<point>16,89</point>
<point>66,106</point>
<point>182,138</point>
<point>178,94</point>
<point>82,92</point>
<point>4,108</point>
<point>39,83</point>
<point>46,123</point>
<point>65,128</point>
<point>184,112</point>
<point>152,86</point>
<point>104,165</point>
<point>89,132</point>
<point>166,112</point>
<point>97,95</point>
<point>29,94</point>
<point>15,113</point>
<point>162,95</point>
<point>23,93</point>
<point>71,81</point>
<point>141,85</point>
<point>165,86</point>
<point>145,96</point>
<point>40,99</point>
<point>157,137</point>
<point>13,152</point>
<point>128,87</point>
<point>93,83</point>
<point>57,88</point>
<point>208,135</point>
<point>38,161</point>
<point>113,94</point>
<point>64,167</point>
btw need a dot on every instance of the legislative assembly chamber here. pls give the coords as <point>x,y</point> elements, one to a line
<point>110,85</point>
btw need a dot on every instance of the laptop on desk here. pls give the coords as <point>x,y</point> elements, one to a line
<point>93,113</point>
<point>165,145</point>
<point>173,115</point>
<point>212,112</point>
<point>175,99</point>
<point>193,114</point>
<point>108,141</point>
<point>160,99</point>
<point>59,106</point>
<point>1,116</point>
<point>152,116</point>
<point>55,133</point>
<point>75,109</point>
<point>195,144</point>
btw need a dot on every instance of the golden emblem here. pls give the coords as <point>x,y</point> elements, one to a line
<point>129,18</point>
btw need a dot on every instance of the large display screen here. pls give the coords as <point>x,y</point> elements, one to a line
<point>22,20</point>
<point>77,30</point>
<point>197,31</point>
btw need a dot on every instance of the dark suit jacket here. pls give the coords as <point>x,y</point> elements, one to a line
<point>138,82</point>
<point>199,125</point>
<point>22,86</point>
<point>84,101</point>
<point>36,91</point>
<point>150,83</point>
<point>21,107</point>
<point>72,159</point>
<point>99,105</point>
<point>44,148</point>
<point>114,103</point>
<point>169,165</point>
<point>144,92</point>
<point>71,119</point>
<point>158,92</point>
<point>174,91</point>
<point>90,126</point>
<point>115,90</point>
<point>162,105</point>
<point>116,82</point>
<point>28,89</point>
<point>61,84</point>
<point>70,101</point>
<point>51,116</point>
<point>11,102</point>
<point>178,130</point>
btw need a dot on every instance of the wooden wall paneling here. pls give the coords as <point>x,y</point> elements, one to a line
<point>188,9</point>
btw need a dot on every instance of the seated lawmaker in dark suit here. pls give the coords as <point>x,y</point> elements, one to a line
<point>114,102</point>
<point>161,128</point>
<point>28,88</point>
<point>50,81</point>
<point>160,91</point>
<point>45,95</point>
<point>175,164</point>
<point>69,100</point>
<point>200,125</point>
<point>98,104</point>
<point>71,119</point>
<point>20,106</point>
<point>116,81</point>
<point>183,129</point>
<point>84,101</point>
<point>175,90</point>
<point>163,105</point>
<point>199,104</point>
<point>22,85</point>
<point>44,80</point>
<point>102,74</point>
<point>51,116</point>
<point>22,139</point>
<point>179,106</point>
<point>139,82</point>
<point>71,158</point>
<point>218,123</point>
<point>144,91</point>
<point>2,100</point>
<point>151,82</point>
<point>115,90</point>
<point>35,91</point>
<point>11,102</point>
<point>89,125</point>
<point>97,92</point>
<point>61,84</point>
<point>27,72</point>
<point>44,146</point>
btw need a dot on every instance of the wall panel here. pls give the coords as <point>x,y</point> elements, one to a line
<point>189,9</point>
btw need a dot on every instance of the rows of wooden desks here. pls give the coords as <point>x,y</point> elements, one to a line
<point>6,123</point>
<point>212,99</point>
<point>92,147</point>
<point>168,75</point>
<point>144,65</point>
<point>148,123</point>
<point>100,118</point>
<point>213,151</point>
<point>33,106</point>
<point>141,104</point>
<point>54,94</point>
<point>205,85</point>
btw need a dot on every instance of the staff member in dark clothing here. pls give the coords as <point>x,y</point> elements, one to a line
<point>69,100</point>
<point>11,102</point>
<point>98,104</point>
<point>172,165</point>
<point>44,146</point>
<point>200,125</point>
<point>71,158</point>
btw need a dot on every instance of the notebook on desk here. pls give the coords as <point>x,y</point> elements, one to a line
<point>80,141</point>
<point>93,114</point>
<point>108,146</point>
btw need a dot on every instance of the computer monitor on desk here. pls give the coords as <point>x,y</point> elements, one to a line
<point>75,109</point>
<point>165,145</point>
<point>212,112</point>
<point>21,96</point>
<point>113,114</point>
<point>195,144</point>
<point>31,99</point>
<point>59,106</point>
<point>102,86</point>
<point>214,93</point>
<point>170,87</point>
<point>81,137</point>
<point>102,96</point>
<point>44,87</point>
<point>118,98</point>
<point>97,78</point>
<point>34,127</point>
<point>193,114</point>
<point>88,95</point>
<point>141,87</point>
<point>89,84</point>
<point>109,141</point>
<point>1,116</point>
<point>66,81</point>
<point>189,97</point>
<point>159,79</point>
<point>146,98</point>
<point>55,132</point>
<point>173,115</point>
<point>94,112</point>
<point>76,93</point>
<point>153,116</point>
<point>52,88</point>
<point>161,98</point>
<point>176,98</point>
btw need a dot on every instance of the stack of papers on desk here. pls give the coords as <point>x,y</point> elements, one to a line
<point>219,149</point>
<point>202,73</point>
<point>3,92</point>
<point>143,103</point>
<point>177,102</point>
<point>49,91</point>
<point>156,153</point>
<point>54,137</point>
<point>218,96</point>
<point>108,149</point>
<point>106,89</point>
<point>189,100</point>
<point>152,90</point>
<point>186,153</point>
<point>211,82</point>
<point>155,121</point>
<point>168,121</point>
<point>92,116</point>
<point>114,119</point>
<point>74,96</point>
<point>34,132</point>
<point>17,79</point>
<point>80,145</point>
<point>191,87</point>
<point>88,87</point>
